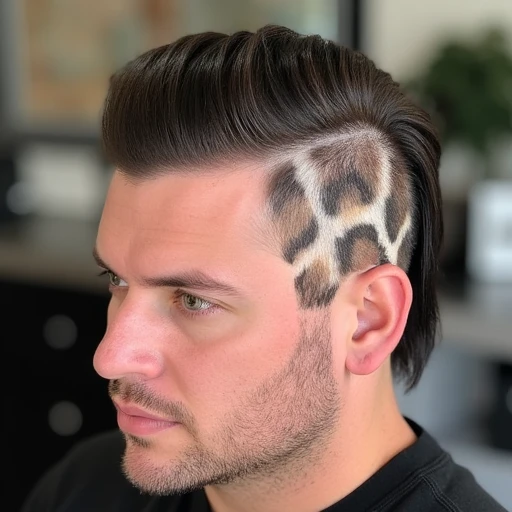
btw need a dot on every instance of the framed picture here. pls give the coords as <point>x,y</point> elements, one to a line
<point>58,55</point>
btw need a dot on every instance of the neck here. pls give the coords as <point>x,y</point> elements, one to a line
<point>364,441</point>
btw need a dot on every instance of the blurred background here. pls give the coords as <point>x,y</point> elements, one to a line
<point>56,56</point>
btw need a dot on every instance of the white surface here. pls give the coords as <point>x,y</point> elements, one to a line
<point>489,249</point>
<point>63,181</point>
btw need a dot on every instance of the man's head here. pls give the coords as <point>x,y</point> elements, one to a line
<point>275,201</point>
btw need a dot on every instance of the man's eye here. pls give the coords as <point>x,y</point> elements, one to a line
<point>193,303</point>
<point>114,280</point>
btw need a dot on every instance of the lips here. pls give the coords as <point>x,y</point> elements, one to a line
<point>138,422</point>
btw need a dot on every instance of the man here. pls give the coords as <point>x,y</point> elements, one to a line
<point>270,236</point>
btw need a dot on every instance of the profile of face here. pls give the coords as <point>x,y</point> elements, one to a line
<point>206,332</point>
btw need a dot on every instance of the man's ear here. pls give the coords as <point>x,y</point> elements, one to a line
<point>383,296</point>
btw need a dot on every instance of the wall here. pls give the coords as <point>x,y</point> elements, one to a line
<point>401,35</point>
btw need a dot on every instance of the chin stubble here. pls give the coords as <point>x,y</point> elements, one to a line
<point>280,428</point>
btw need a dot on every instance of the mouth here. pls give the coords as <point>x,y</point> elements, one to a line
<point>138,422</point>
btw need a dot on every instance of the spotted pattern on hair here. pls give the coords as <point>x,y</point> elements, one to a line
<point>296,224</point>
<point>359,248</point>
<point>341,206</point>
<point>314,287</point>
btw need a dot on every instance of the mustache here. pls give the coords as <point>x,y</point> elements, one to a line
<point>136,393</point>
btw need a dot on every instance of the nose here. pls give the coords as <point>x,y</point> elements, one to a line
<point>132,345</point>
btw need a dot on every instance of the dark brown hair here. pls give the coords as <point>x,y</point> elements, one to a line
<point>211,97</point>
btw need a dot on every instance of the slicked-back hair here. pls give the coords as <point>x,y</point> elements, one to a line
<point>354,181</point>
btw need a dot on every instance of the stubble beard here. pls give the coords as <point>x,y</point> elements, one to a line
<point>281,427</point>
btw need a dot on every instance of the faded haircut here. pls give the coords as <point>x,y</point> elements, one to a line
<point>354,179</point>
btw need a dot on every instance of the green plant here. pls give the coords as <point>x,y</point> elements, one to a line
<point>467,87</point>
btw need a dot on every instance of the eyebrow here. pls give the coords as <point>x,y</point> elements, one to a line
<point>193,279</point>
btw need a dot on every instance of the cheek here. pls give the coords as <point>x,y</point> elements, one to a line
<point>216,377</point>
<point>220,371</point>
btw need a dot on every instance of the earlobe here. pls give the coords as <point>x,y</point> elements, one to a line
<point>384,297</point>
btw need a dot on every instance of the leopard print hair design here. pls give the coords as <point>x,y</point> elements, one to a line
<point>341,206</point>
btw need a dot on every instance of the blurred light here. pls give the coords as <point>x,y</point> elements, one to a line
<point>60,332</point>
<point>65,418</point>
<point>19,199</point>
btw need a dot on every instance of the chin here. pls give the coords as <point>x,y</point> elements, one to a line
<point>155,471</point>
<point>146,473</point>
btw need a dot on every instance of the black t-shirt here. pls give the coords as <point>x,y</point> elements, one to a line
<point>422,478</point>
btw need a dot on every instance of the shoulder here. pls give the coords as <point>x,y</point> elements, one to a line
<point>455,487</point>
<point>446,486</point>
<point>88,475</point>
<point>425,477</point>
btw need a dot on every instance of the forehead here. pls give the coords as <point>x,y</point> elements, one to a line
<point>193,218</point>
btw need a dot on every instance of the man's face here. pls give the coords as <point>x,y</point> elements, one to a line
<point>245,377</point>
